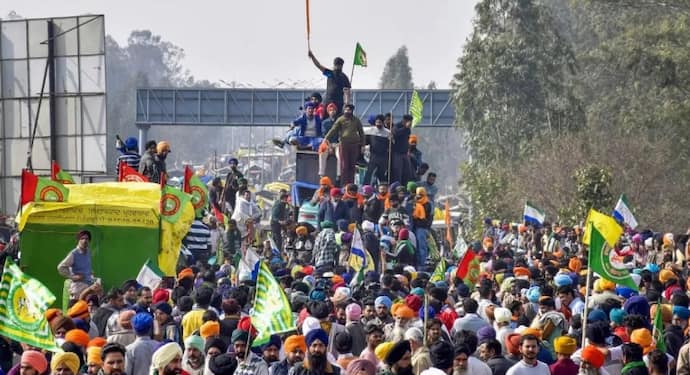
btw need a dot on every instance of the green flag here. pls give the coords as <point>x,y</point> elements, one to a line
<point>199,192</point>
<point>23,303</point>
<point>272,313</point>
<point>416,108</point>
<point>360,56</point>
<point>658,329</point>
<point>600,261</point>
<point>41,189</point>
<point>439,272</point>
<point>172,201</point>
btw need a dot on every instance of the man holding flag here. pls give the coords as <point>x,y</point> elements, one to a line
<point>337,83</point>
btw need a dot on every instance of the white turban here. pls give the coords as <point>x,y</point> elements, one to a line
<point>164,355</point>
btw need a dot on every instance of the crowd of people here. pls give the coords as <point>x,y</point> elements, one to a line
<point>529,310</point>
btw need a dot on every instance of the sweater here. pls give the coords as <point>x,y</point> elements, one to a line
<point>349,130</point>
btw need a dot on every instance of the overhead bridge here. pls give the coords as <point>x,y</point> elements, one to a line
<point>274,107</point>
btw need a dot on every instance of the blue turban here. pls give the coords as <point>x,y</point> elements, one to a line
<point>431,313</point>
<point>383,300</point>
<point>342,225</point>
<point>317,334</point>
<point>681,312</point>
<point>533,294</point>
<point>309,105</point>
<point>562,280</point>
<point>625,292</point>
<point>441,284</point>
<point>273,341</point>
<point>637,305</point>
<point>371,119</point>
<point>418,291</point>
<point>317,295</point>
<point>81,324</point>
<point>142,323</point>
<point>597,315</point>
<point>653,268</point>
<point>617,315</point>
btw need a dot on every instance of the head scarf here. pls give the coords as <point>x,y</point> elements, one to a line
<point>195,342</point>
<point>36,360</point>
<point>164,355</point>
<point>68,359</point>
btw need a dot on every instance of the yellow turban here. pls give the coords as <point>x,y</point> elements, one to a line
<point>666,275</point>
<point>383,349</point>
<point>607,284</point>
<point>68,359</point>
<point>565,345</point>
<point>165,354</point>
<point>93,356</point>
<point>209,329</point>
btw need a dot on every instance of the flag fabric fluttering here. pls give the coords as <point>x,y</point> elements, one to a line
<point>172,200</point>
<point>41,189</point>
<point>416,108</point>
<point>439,272</point>
<point>23,303</point>
<point>658,329</point>
<point>606,225</point>
<point>623,213</point>
<point>533,215</point>
<point>600,261</point>
<point>57,174</point>
<point>360,56</point>
<point>248,268</point>
<point>358,278</point>
<point>468,268</point>
<point>150,275</point>
<point>359,256</point>
<point>460,247</point>
<point>271,314</point>
<point>129,174</point>
<point>198,190</point>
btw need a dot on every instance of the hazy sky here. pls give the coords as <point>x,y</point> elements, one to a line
<point>257,41</point>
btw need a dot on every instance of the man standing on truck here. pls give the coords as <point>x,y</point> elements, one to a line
<point>337,83</point>
<point>349,130</point>
<point>77,266</point>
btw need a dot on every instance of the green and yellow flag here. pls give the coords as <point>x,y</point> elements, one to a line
<point>194,187</point>
<point>606,225</point>
<point>23,303</point>
<point>416,108</point>
<point>600,261</point>
<point>658,329</point>
<point>172,201</point>
<point>360,56</point>
<point>41,189</point>
<point>439,272</point>
<point>272,313</point>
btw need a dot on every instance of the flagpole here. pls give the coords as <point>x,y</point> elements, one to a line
<point>426,315</point>
<point>390,148</point>
<point>308,26</point>
<point>587,292</point>
<point>352,72</point>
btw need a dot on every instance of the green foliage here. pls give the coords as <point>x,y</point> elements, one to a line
<point>514,82</point>
<point>593,190</point>
<point>619,73</point>
<point>483,186</point>
<point>397,74</point>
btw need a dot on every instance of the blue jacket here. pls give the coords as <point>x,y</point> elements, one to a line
<point>333,214</point>
<point>301,124</point>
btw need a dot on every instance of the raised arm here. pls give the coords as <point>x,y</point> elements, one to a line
<point>316,62</point>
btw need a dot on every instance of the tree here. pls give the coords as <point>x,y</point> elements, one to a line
<point>515,81</point>
<point>397,74</point>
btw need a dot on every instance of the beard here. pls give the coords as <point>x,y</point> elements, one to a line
<point>587,371</point>
<point>168,370</point>
<point>404,371</point>
<point>459,371</point>
<point>317,362</point>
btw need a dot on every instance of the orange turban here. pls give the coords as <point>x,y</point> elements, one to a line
<point>593,356</point>
<point>52,314</point>
<point>77,336</point>
<point>521,271</point>
<point>295,342</point>
<point>97,341</point>
<point>607,284</point>
<point>325,180</point>
<point>643,338</point>
<point>532,331</point>
<point>93,355</point>
<point>400,310</point>
<point>79,310</point>
<point>575,265</point>
<point>666,312</point>
<point>185,273</point>
<point>301,230</point>
<point>209,329</point>
<point>512,342</point>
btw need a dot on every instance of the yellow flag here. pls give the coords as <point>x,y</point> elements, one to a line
<point>606,225</point>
